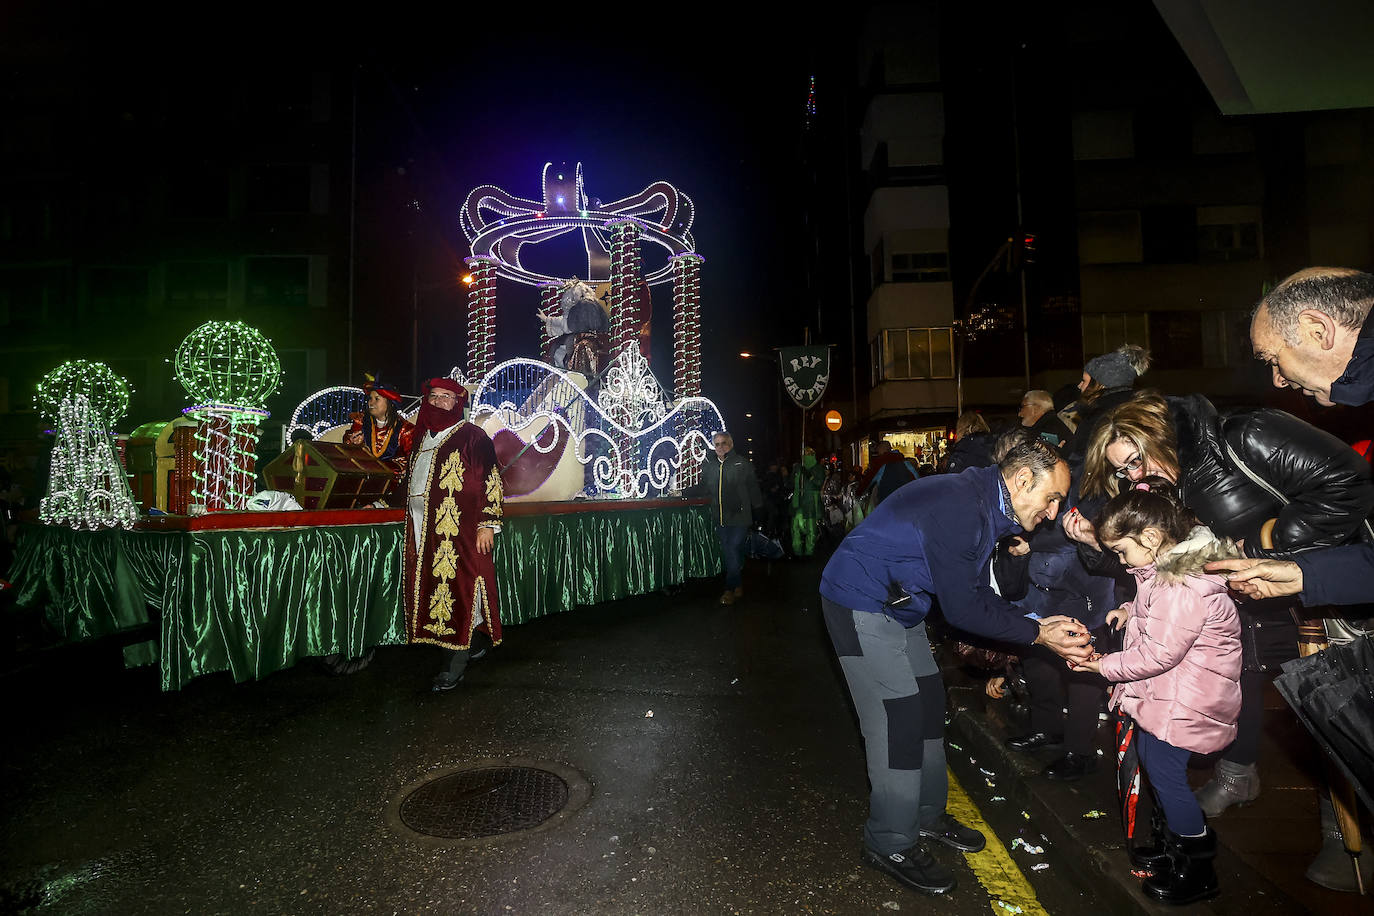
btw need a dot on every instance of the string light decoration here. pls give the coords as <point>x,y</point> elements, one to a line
<point>528,396</point>
<point>687,341</point>
<point>332,407</point>
<point>499,224</point>
<point>229,370</point>
<point>549,293</point>
<point>87,487</point>
<point>627,292</point>
<point>481,314</point>
<point>811,103</point>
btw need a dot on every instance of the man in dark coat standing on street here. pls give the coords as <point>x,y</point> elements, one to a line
<point>729,481</point>
<point>1314,333</point>
<point>931,541</point>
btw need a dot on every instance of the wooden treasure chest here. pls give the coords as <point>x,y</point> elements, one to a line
<point>159,460</point>
<point>330,475</point>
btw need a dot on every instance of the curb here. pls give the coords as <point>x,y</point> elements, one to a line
<point>1094,851</point>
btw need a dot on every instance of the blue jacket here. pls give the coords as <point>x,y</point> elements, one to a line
<point>1337,575</point>
<point>932,540</point>
<point>1356,384</point>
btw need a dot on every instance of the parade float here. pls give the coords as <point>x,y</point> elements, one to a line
<point>595,453</point>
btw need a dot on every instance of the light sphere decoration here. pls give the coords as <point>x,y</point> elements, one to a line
<point>227,364</point>
<point>106,393</point>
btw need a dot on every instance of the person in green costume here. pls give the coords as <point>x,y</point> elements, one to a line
<point>806,504</point>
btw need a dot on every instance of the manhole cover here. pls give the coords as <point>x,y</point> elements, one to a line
<point>484,802</point>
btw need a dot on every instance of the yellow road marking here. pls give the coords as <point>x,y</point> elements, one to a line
<point>993,865</point>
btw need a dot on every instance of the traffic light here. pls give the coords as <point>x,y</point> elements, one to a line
<point>1021,249</point>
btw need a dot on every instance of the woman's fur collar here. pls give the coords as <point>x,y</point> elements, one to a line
<point>1189,556</point>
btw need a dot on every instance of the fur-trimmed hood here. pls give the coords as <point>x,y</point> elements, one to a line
<point>1190,556</point>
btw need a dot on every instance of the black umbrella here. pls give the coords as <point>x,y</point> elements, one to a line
<point>1127,773</point>
<point>1332,693</point>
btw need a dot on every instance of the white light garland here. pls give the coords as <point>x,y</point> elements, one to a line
<point>628,459</point>
<point>498,224</point>
<point>86,487</point>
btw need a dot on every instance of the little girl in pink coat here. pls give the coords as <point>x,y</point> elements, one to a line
<point>1178,674</point>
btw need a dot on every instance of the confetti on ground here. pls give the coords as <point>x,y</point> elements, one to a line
<point>1045,839</point>
<point>1041,867</point>
<point>1009,907</point>
<point>991,784</point>
<point>736,681</point>
<point>1025,815</point>
<point>1142,873</point>
<point>955,746</point>
<point>986,772</point>
<point>1099,752</point>
<point>649,714</point>
<point>1033,850</point>
<point>1094,815</point>
<point>891,905</point>
<point>998,798</point>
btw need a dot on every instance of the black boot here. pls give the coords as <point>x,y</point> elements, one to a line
<point>1189,875</point>
<point>1153,857</point>
<point>451,671</point>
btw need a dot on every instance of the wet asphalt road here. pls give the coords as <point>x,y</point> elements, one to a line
<point>743,793</point>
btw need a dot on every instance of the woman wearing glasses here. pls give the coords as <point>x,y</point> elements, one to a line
<point>1271,482</point>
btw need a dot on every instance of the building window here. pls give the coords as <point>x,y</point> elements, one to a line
<point>1229,234</point>
<point>916,353</point>
<point>32,296</point>
<point>198,193</point>
<point>1104,332</point>
<point>1109,237</point>
<point>117,290</point>
<point>277,282</point>
<point>920,267</point>
<point>1103,135</point>
<point>279,189</point>
<point>201,285</point>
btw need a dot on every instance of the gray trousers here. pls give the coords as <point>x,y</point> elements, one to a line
<point>900,699</point>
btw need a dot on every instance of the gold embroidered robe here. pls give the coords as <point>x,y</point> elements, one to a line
<point>449,587</point>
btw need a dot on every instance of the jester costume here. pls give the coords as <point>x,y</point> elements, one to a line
<point>389,442</point>
<point>454,489</point>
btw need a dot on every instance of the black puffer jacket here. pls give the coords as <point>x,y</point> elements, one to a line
<point>1326,484</point>
<point>972,451</point>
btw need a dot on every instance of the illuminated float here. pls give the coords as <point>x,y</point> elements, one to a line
<point>591,419</point>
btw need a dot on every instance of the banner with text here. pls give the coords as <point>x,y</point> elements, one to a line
<point>805,373</point>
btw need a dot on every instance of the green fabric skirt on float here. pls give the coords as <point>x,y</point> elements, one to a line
<point>254,601</point>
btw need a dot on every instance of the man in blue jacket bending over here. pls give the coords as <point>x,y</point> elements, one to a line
<point>930,542</point>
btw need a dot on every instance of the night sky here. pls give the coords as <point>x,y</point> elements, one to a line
<point>702,97</point>
<point>725,126</point>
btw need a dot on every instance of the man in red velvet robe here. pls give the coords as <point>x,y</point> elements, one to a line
<point>453,513</point>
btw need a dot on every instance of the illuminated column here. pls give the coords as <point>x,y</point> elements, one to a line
<point>627,311</point>
<point>481,316</point>
<point>687,350</point>
<point>225,457</point>
<point>548,304</point>
<point>229,370</point>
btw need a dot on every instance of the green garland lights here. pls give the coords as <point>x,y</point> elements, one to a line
<point>228,364</point>
<point>106,393</point>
